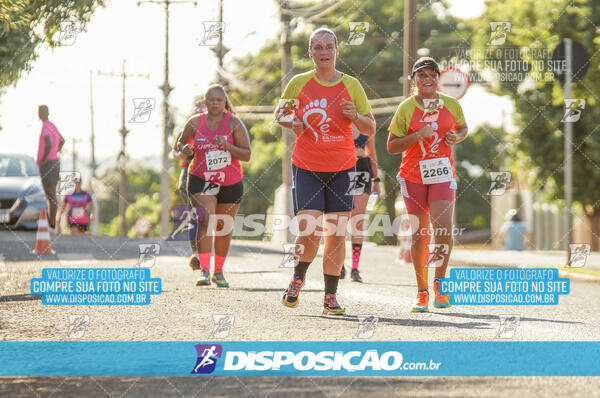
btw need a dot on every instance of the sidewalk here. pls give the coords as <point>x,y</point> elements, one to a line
<point>527,258</point>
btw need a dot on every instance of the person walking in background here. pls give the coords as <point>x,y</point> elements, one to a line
<point>51,142</point>
<point>78,216</point>
<point>200,107</point>
<point>423,129</point>
<point>514,233</point>
<point>367,164</point>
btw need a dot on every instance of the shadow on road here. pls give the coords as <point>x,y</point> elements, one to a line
<point>408,322</point>
<point>20,297</point>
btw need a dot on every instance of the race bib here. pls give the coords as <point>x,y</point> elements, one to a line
<point>216,160</point>
<point>435,171</point>
<point>78,212</point>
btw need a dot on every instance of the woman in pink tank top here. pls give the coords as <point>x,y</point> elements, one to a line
<point>218,140</point>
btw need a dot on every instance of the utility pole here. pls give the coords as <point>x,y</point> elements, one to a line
<point>283,199</point>
<point>568,149</point>
<point>122,158</point>
<point>93,164</point>
<point>167,122</point>
<point>410,43</point>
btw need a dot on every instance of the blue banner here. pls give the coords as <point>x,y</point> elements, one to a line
<point>284,358</point>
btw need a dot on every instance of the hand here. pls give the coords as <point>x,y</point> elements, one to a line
<point>451,138</point>
<point>425,132</point>
<point>375,188</point>
<point>221,141</point>
<point>297,126</point>
<point>348,109</point>
<point>188,150</point>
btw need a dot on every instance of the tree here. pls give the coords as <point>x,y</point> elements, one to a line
<point>26,24</point>
<point>539,99</point>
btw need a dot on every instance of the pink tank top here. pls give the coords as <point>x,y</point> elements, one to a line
<point>49,130</point>
<point>210,163</point>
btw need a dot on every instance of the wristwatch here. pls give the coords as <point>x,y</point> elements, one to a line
<point>376,179</point>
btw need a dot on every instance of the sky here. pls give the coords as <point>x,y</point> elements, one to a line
<point>61,77</point>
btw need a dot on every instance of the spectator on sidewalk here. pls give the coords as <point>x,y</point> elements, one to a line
<point>513,232</point>
<point>51,142</point>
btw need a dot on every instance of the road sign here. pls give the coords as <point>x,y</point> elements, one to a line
<point>580,61</point>
<point>453,82</point>
<point>143,226</point>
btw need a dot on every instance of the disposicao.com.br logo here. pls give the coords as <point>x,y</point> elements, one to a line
<point>325,362</point>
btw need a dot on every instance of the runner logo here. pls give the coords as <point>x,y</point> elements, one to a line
<point>222,326</point>
<point>68,33</point>
<point>366,326</point>
<point>358,182</point>
<point>286,109</point>
<point>186,219</point>
<point>66,182</point>
<point>499,33</point>
<point>437,254</point>
<point>508,326</point>
<point>213,30</point>
<point>499,182</point>
<point>573,109</point>
<point>317,107</point>
<point>212,185</point>
<point>432,107</point>
<point>207,358</point>
<point>291,255</point>
<point>77,326</point>
<point>142,109</point>
<point>148,254</point>
<point>358,31</point>
<point>579,254</point>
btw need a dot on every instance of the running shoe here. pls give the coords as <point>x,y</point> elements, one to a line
<point>194,262</point>
<point>331,306</point>
<point>220,280</point>
<point>355,276</point>
<point>421,302</point>
<point>343,272</point>
<point>290,297</point>
<point>441,300</point>
<point>204,279</point>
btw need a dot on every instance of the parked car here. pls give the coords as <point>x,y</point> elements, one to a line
<point>21,193</point>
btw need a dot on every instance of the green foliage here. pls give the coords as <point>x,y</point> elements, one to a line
<point>26,24</point>
<point>538,145</point>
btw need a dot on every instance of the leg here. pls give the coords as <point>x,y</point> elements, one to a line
<point>441,218</point>
<point>224,231</point>
<point>360,207</point>
<point>419,250</point>
<point>203,238</point>
<point>335,242</point>
<point>50,191</point>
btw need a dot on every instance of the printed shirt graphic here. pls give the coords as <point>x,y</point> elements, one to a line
<point>204,141</point>
<point>77,203</point>
<point>409,119</point>
<point>327,143</point>
<point>48,130</point>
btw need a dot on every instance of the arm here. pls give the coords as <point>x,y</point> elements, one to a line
<point>47,147</point>
<point>60,213</point>
<point>177,154</point>
<point>396,145</point>
<point>364,123</point>
<point>61,142</point>
<point>372,154</point>
<point>455,137</point>
<point>189,131</point>
<point>241,147</point>
<point>91,206</point>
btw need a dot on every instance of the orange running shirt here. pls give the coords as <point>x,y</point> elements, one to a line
<point>411,117</point>
<point>327,143</point>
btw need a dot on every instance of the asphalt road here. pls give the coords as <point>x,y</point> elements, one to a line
<point>185,312</point>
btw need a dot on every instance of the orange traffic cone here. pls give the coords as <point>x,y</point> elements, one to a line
<point>42,237</point>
